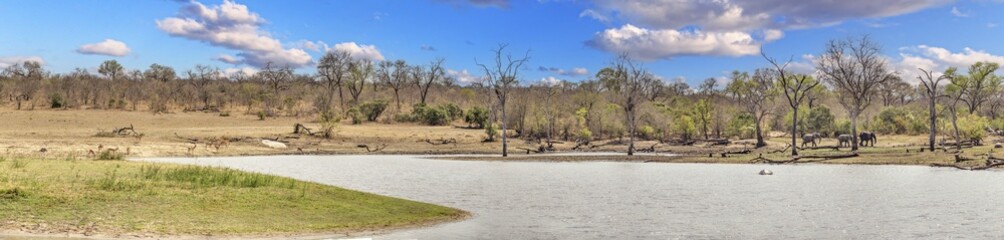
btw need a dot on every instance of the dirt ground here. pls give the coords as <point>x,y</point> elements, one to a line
<point>76,133</point>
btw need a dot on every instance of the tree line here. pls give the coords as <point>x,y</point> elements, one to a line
<point>851,89</point>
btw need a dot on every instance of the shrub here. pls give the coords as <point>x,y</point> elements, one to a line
<point>373,109</point>
<point>476,117</point>
<point>356,115</point>
<point>404,117</point>
<point>110,154</point>
<point>434,116</point>
<point>742,126</point>
<point>56,101</point>
<point>820,120</point>
<point>585,135</point>
<point>440,115</point>
<point>647,132</point>
<point>684,127</point>
<point>329,121</point>
<point>895,121</point>
<point>453,111</point>
<point>491,130</point>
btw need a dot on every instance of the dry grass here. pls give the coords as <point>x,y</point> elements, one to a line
<point>73,133</point>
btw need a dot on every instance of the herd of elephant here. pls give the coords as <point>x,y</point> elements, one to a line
<point>865,139</point>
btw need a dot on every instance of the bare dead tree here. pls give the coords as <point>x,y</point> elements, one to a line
<point>394,75</point>
<point>795,87</point>
<point>200,78</point>
<point>275,79</point>
<point>631,85</point>
<point>360,72</point>
<point>431,76</point>
<point>333,68</point>
<point>930,84</point>
<point>27,78</point>
<point>855,68</point>
<point>501,77</point>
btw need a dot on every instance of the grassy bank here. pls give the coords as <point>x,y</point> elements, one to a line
<point>117,197</point>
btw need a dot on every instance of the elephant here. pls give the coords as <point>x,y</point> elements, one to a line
<point>811,138</point>
<point>867,139</point>
<point>845,139</point>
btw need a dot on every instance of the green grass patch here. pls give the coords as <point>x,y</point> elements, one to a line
<point>118,197</point>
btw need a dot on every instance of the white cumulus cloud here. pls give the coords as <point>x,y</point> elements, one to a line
<point>938,59</point>
<point>108,47</point>
<point>648,44</point>
<point>360,51</point>
<point>11,60</point>
<point>232,25</point>
<point>463,76</point>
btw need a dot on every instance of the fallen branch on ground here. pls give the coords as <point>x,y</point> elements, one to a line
<point>441,141</point>
<point>299,128</point>
<point>834,148</point>
<point>368,149</point>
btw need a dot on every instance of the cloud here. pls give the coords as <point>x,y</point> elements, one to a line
<point>463,76</point>
<point>317,46</point>
<point>574,72</point>
<point>427,48</point>
<point>549,81</point>
<point>938,59</point>
<point>595,15</point>
<point>11,60</point>
<point>108,47</point>
<point>807,65</point>
<point>746,15</point>
<point>246,70</point>
<point>955,12</point>
<point>357,51</point>
<point>648,44</point>
<point>226,59</point>
<point>771,35</point>
<point>233,26</point>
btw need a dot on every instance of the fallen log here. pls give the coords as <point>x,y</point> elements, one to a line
<point>827,157</point>
<point>780,151</point>
<point>441,141</point>
<point>834,148</point>
<point>715,142</point>
<point>299,128</point>
<point>530,150</point>
<point>744,151</point>
<point>368,149</point>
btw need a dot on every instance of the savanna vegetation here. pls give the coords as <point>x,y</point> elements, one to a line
<point>851,90</point>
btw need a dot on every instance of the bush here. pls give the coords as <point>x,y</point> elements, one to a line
<point>585,135</point>
<point>647,132</point>
<point>491,130</point>
<point>898,121</point>
<point>684,127</point>
<point>742,126</point>
<point>476,117</point>
<point>440,115</point>
<point>110,154</point>
<point>404,117</point>
<point>434,116</point>
<point>453,111</point>
<point>56,101</point>
<point>357,117</point>
<point>373,109</point>
<point>329,121</point>
<point>820,120</point>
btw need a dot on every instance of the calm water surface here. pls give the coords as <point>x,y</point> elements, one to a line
<point>610,200</point>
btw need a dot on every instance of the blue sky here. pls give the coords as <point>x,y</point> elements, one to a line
<point>569,40</point>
